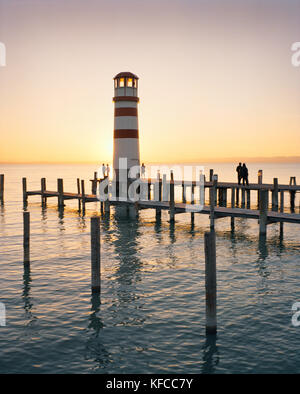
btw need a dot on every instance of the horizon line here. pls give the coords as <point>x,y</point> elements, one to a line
<point>273,159</point>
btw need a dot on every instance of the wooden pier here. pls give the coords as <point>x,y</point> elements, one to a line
<point>163,195</point>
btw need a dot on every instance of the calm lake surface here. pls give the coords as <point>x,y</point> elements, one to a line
<point>151,318</point>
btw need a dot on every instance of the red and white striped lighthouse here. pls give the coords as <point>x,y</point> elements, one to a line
<point>126,131</point>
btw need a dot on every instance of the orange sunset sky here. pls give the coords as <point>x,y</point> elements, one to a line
<point>216,80</point>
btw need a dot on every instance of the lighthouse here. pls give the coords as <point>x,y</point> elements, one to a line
<point>126,131</point>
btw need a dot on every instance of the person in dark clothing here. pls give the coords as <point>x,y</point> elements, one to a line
<point>244,173</point>
<point>238,170</point>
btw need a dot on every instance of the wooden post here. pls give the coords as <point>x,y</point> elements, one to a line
<point>224,197</point>
<point>292,193</point>
<point>212,193</point>
<point>78,192</point>
<point>2,189</point>
<point>210,282</point>
<point>95,254</point>
<point>24,188</point>
<point>275,195</point>
<point>263,212</point>
<point>193,201</point>
<point>220,196</point>
<point>237,197</point>
<point>281,210</point>
<point>94,184</point>
<point>211,173</point>
<point>165,188</point>
<point>83,196</point>
<point>158,194</point>
<point>248,192</point>
<point>60,190</point>
<point>259,181</point>
<point>43,189</point>
<point>202,189</point>
<point>26,237</point>
<point>243,197</point>
<point>172,199</point>
<point>149,190</point>
<point>183,192</point>
<point>232,206</point>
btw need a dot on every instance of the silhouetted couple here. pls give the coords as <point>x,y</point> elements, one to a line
<point>242,173</point>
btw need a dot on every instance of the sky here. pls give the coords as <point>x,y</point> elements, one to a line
<point>216,79</point>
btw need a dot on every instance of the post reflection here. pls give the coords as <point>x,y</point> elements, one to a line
<point>210,355</point>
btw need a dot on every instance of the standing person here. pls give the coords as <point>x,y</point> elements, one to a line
<point>107,170</point>
<point>245,175</point>
<point>103,170</point>
<point>239,170</point>
<point>143,170</point>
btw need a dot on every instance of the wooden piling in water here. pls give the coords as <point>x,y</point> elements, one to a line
<point>60,190</point>
<point>158,194</point>
<point>275,195</point>
<point>292,193</point>
<point>24,190</point>
<point>78,192</point>
<point>243,197</point>
<point>213,193</point>
<point>2,189</point>
<point>26,237</point>
<point>248,198</point>
<point>263,212</point>
<point>232,206</point>
<point>94,184</point>
<point>43,189</point>
<point>211,173</point>
<point>281,210</point>
<point>210,282</point>
<point>172,199</point>
<point>259,181</point>
<point>95,255</point>
<point>83,196</point>
<point>183,192</point>
<point>237,196</point>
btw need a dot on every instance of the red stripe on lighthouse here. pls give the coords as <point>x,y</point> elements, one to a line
<point>126,133</point>
<point>126,111</point>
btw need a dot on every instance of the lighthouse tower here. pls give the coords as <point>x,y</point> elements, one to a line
<point>126,131</point>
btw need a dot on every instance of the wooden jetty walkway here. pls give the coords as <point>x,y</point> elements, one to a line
<point>218,207</point>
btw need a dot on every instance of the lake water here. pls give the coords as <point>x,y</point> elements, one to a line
<point>151,314</point>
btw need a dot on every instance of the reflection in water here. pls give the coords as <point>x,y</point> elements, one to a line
<point>158,229</point>
<point>210,354</point>
<point>172,232</point>
<point>126,247</point>
<point>95,349</point>
<point>28,305</point>
<point>262,247</point>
